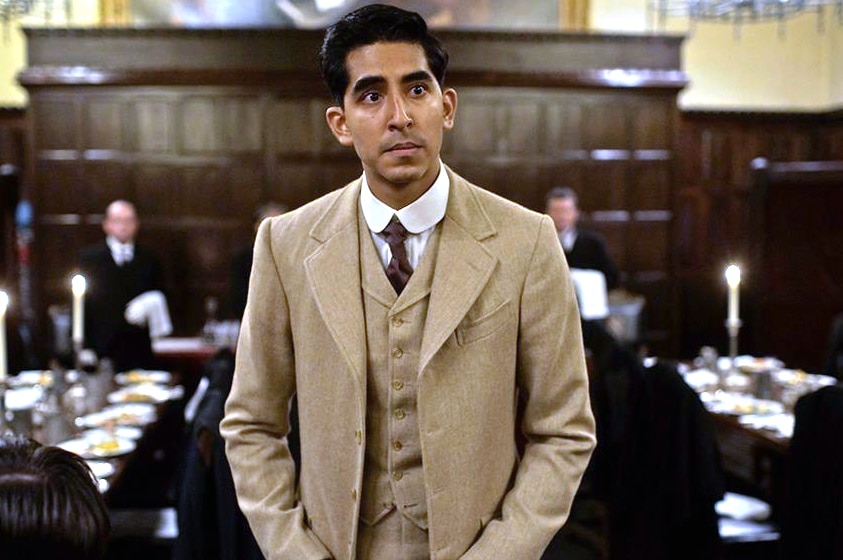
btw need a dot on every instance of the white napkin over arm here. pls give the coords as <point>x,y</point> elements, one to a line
<point>150,308</point>
<point>591,291</point>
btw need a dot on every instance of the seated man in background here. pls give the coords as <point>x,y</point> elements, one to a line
<point>50,506</point>
<point>124,304</point>
<point>583,249</point>
<point>241,264</point>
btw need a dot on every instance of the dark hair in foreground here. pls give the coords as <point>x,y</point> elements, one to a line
<point>50,507</point>
<point>372,24</point>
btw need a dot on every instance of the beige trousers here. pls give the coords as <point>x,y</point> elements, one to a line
<point>392,538</point>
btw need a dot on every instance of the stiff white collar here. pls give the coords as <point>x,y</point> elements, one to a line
<point>422,214</point>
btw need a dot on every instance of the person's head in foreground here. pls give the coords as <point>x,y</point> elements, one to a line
<point>50,507</point>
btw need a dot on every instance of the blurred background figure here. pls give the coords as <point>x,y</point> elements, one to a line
<point>834,356</point>
<point>241,264</point>
<point>584,249</point>
<point>124,304</point>
<point>50,507</point>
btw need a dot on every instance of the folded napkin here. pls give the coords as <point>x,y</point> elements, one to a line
<point>781,424</point>
<point>591,291</point>
<point>701,379</point>
<point>742,508</point>
<point>150,308</point>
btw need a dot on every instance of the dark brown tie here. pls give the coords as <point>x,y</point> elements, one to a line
<point>399,270</point>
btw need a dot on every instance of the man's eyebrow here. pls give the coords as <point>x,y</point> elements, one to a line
<point>418,76</point>
<point>366,82</point>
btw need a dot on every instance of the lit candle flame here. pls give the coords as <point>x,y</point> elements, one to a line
<point>733,275</point>
<point>79,285</point>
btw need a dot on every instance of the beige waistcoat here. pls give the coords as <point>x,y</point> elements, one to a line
<point>393,474</point>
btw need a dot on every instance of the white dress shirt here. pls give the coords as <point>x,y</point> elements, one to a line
<point>419,218</point>
<point>568,237</point>
<point>120,252</point>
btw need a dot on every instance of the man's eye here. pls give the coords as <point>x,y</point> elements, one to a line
<point>371,97</point>
<point>418,89</point>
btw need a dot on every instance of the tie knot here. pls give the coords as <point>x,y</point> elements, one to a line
<point>395,232</point>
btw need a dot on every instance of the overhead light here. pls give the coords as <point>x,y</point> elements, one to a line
<point>741,12</point>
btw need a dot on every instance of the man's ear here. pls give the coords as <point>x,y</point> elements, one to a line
<point>449,106</point>
<point>335,116</point>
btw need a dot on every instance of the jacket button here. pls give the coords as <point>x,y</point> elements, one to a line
<point>354,494</point>
<point>400,414</point>
<point>397,475</point>
<point>397,445</point>
<point>397,353</point>
<point>397,385</point>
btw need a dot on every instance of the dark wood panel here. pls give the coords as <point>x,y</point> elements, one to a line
<point>55,122</point>
<point>104,126</point>
<point>718,214</point>
<point>197,142</point>
<point>650,186</point>
<point>154,124</point>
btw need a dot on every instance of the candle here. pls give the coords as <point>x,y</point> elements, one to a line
<point>4,362</point>
<point>733,278</point>
<point>78,284</point>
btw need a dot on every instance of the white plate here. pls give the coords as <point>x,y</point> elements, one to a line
<point>130,414</point>
<point>751,364</point>
<point>797,377</point>
<point>101,469</point>
<point>146,393</point>
<point>136,376</point>
<point>30,377</point>
<point>125,432</point>
<point>23,397</point>
<point>731,403</point>
<point>95,449</point>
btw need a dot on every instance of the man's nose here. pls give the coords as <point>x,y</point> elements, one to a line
<point>400,117</point>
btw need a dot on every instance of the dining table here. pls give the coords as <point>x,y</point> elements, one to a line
<point>127,425</point>
<point>750,401</point>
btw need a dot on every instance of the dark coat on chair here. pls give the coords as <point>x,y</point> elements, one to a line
<point>110,288</point>
<point>656,463</point>
<point>589,251</point>
<point>211,525</point>
<point>813,518</point>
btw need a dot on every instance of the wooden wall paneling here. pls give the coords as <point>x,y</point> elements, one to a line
<point>608,124</point>
<point>155,189</point>
<point>102,182</point>
<point>55,122</point>
<point>60,187</point>
<point>153,123</point>
<point>196,142</point>
<point>650,186</point>
<point>798,287</point>
<point>103,123</point>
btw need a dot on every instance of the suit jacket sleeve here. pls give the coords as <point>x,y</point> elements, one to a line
<point>256,421</point>
<point>557,419</point>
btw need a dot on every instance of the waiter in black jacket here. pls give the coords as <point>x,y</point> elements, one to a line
<point>118,271</point>
<point>583,248</point>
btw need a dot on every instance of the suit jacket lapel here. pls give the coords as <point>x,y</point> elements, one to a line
<point>333,272</point>
<point>463,266</point>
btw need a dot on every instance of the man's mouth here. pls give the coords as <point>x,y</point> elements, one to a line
<point>403,148</point>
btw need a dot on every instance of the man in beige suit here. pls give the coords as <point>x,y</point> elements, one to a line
<point>424,325</point>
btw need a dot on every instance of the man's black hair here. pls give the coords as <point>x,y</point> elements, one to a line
<point>372,24</point>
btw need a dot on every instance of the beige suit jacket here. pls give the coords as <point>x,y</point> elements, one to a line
<point>502,325</point>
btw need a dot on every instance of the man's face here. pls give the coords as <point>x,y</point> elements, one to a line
<point>563,211</point>
<point>394,115</point>
<point>121,222</point>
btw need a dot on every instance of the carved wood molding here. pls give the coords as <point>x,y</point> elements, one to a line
<point>308,83</point>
